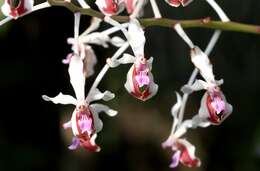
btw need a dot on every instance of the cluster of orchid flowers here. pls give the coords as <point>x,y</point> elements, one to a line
<point>85,122</point>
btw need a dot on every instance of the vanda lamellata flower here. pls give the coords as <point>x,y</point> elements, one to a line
<point>114,7</point>
<point>16,8</point>
<point>140,82</point>
<point>214,106</point>
<point>184,151</point>
<point>85,122</point>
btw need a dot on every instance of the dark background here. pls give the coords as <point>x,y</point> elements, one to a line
<point>31,136</point>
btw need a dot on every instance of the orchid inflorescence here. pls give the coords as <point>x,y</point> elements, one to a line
<point>85,122</point>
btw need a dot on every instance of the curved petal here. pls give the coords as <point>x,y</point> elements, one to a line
<point>188,157</point>
<point>185,2</point>
<point>117,41</point>
<point>125,59</point>
<point>110,7</point>
<point>77,76</point>
<point>98,108</point>
<point>196,86</point>
<point>61,99</point>
<point>90,60</point>
<point>97,95</point>
<point>136,37</point>
<point>202,62</point>
<point>175,159</point>
<point>75,143</point>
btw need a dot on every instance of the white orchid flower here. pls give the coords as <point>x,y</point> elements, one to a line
<point>184,151</point>
<point>110,7</point>
<point>16,8</point>
<point>214,107</point>
<point>114,7</point>
<point>85,122</point>
<point>140,82</point>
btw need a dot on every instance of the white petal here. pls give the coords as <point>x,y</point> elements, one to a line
<point>77,77</point>
<point>136,37</point>
<point>94,25</point>
<point>125,59</point>
<point>185,3</point>
<point>196,86</point>
<point>67,125</point>
<point>129,82</point>
<point>90,61</point>
<point>6,9</point>
<point>203,111</point>
<point>98,108</point>
<point>97,95</point>
<point>28,4</point>
<point>175,110</point>
<point>96,38</point>
<point>150,63</point>
<point>61,99</point>
<point>202,62</point>
<point>117,41</point>
<point>93,141</point>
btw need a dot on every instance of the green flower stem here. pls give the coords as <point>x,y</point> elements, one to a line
<point>165,22</point>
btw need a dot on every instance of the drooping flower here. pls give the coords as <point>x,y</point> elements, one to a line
<point>85,122</point>
<point>114,7</point>
<point>16,8</point>
<point>139,81</point>
<point>177,3</point>
<point>214,107</point>
<point>183,150</point>
<point>81,46</point>
<point>110,7</point>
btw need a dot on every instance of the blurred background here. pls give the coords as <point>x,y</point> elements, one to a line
<point>31,135</point>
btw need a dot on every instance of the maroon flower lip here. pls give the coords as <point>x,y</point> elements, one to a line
<point>84,112</point>
<point>214,116</point>
<point>17,7</point>
<point>139,92</point>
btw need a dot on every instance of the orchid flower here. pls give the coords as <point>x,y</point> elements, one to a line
<point>177,3</point>
<point>80,46</point>
<point>85,122</point>
<point>114,7</point>
<point>140,81</point>
<point>214,107</point>
<point>110,7</point>
<point>16,8</point>
<point>184,151</point>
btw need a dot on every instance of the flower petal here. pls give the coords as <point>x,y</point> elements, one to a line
<point>98,108</point>
<point>188,157</point>
<point>185,2</point>
<point>97,95</point>
<point>67,125</point>
<point>125,59</point>
<point>196,86</point>
<point>61,99</point>
<point>16,9</point>
<point>136,37</point>
<point>77,76</point>
<point>202,62</point>
<point>175,159</point>
<point>90,60</point>
<point>117,41</point>
<point>75,143</point>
